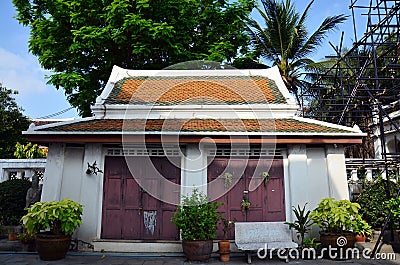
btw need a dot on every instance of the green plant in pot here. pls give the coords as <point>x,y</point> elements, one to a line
<point>12,203</point>
<point>302,223</point>
<point>336,218</point>
<point>53,223</point>
<point>372,201</point>
<point>362,230</point>
<point>197,218</point>
<point>309,248</point>
<point>28,241</point>
<point>224,245</point>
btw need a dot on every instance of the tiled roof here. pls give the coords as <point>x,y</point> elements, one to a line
<point>43,122</point>
<point>171,90</point>
<point>194,125</point>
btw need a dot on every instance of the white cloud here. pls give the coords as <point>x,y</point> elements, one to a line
<point>21,73</point>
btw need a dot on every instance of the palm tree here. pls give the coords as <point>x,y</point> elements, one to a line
<point>285,41</point>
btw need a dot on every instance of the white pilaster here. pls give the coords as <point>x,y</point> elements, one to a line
<point>194,170</point>
<point>337,172</point>
<point>318,179</point>
<point>297,160</point>
<point>53,174</point>
<point>91,196</point>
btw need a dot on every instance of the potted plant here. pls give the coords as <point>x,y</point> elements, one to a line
<point>12,232</point>
<point>12,203</point>
<point>309,248</point>
<point>362,230</point>
<point>197,218</point>
<point>28,241</point>
<point>224,245</point>
<point>302,224</point>
<point>393,206</point>
<point>336,218</point>
<point>245,205</point>
<point>53,223</point>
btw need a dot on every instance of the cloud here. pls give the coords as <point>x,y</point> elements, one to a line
<point>21,73</point>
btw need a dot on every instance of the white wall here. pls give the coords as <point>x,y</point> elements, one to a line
<point>194,169</point>
<point>72,173</point>
<point>53,175</point>
<point>297,175</point>
<point>314,173</point>
<point>317,177</point>
<point>310,175</point>
<point>91,196</point>
<point>336,163</point>
<point>65,177</point>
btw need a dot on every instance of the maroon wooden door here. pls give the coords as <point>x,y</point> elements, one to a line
<point>129,212</point>
<point>267,199</point>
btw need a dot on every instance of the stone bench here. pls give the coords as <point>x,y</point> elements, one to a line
<point>252,236</point>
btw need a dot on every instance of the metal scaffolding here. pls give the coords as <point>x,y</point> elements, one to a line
<point>360,85</point>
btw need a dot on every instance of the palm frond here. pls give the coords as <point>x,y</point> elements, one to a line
<point>261,40</point>
<point>305,13</point>
<point>329,23</point>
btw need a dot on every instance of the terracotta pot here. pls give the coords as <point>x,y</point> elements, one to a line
<point>12,236</point>
<point>52,247</point>
<point>224,250</point>
<point>224,257</point>
<point>197,250</point>
<point>360,238</point>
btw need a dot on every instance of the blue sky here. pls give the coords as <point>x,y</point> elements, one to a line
<point>20,70</point>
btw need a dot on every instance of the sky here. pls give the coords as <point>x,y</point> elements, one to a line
<point>20,70</point>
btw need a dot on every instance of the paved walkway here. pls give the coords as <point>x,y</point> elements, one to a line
<point>12,253</point>
<point>19,258</point>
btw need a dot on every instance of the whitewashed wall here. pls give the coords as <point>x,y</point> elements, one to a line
<point>310,175</point>
<point>66,177</point>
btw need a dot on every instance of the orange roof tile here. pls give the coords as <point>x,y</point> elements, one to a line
<point>167,90</point>
<point>193,125</point>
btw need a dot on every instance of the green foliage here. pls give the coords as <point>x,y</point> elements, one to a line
<point>196,217</point>
<point>12,200</point>
<point>335,216</point>
<point>12,123</point>
<point>394,205</point>
<point>372,201</point>
<point>284,40</point>
<point>61,217</point>
<point>362,227</point>
<point>310,243</point>
<point>245,204</point>
<point>302,224</point>
<point>29,150</point>
<point>81,40</point>
<point>26,237</point>
<point>227,226</point>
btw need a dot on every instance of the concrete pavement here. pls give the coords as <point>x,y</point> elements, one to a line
<point>20,258</point>
<point>12,253</point>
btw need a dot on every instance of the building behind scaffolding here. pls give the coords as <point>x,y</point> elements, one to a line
<point>360,85</point>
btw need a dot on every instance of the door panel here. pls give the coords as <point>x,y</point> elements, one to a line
<point>267,199</point>
<point>129,212</point>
